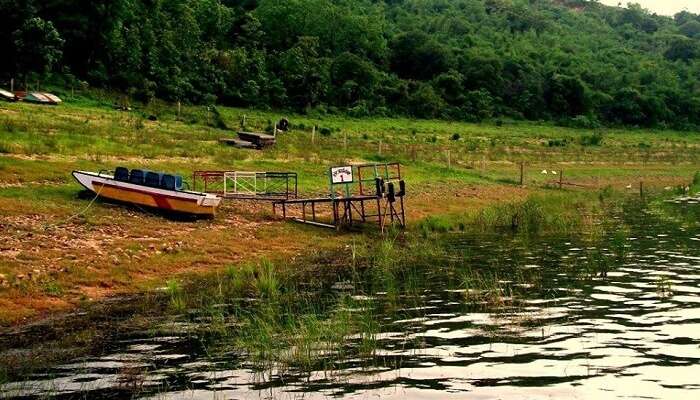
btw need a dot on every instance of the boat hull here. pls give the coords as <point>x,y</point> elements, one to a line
<point>170,200</point>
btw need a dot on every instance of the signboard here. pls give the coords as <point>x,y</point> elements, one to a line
<point>341,174</point>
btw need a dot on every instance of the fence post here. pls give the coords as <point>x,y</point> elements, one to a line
<point>561,179</point>
<point>313,135</point>
<point>449,160</point>
<point>380,147</point>
<point>179,109</point>
<point>641,189</point>
<point>522,173</point>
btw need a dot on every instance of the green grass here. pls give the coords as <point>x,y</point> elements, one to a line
<point>549,212</point>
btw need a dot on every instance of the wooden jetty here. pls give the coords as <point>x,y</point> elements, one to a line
<point>383,204</point>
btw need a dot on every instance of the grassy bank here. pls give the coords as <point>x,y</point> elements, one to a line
<point>57,254</point>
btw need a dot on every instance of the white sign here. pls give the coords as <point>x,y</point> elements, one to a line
<point>341,174</point>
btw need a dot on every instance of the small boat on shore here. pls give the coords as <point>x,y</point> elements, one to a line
<point>150,189</point>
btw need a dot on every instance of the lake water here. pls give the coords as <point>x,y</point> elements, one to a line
<point>565,318</point>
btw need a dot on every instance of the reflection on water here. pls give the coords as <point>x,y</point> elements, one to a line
<point>572,320</point>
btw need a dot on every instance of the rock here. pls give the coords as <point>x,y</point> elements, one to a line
<point>19,277</point>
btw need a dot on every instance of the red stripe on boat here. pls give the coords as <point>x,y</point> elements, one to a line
<point>161,201</point>
<point>163,197</point>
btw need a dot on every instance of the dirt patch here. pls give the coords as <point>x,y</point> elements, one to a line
<point>48,265</point>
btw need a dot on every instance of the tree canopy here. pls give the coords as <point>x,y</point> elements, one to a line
<point>572,61</point>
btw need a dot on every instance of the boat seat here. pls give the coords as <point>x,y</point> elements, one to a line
<point>171,182</point>
<point>121,174</point>
<point>153,179</point>
<point>136,176</point>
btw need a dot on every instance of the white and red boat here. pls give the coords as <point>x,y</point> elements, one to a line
<point>150,189</point>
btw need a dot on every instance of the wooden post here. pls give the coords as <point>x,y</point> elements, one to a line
<point>449,161</point>
<point>243,122</point>
<point>179,109</point>
<point>641,189</point>
<point>522,173</point>
<point>313,135</point>
<point>561,179</point>
<point>380,147</point>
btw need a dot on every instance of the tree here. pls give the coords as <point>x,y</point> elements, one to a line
<point>353,78</point>
<point>415,55</point>
<point>566,96</point>
<point>691,29</point>
<point>39,46</point>
<point>682,49</point>
<point>424,102</point>
<point>304,75</point>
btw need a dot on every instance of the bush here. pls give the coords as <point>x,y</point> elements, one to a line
<point>455,136</point>
<point>582,122</point>
<point>558,142</point>
<point>325,131</point>
<point>595,139</point>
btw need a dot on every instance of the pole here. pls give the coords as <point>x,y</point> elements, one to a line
<point>641,189</point>
<point>449,161</point>
<point>561,179</point>
<point>313,135</point>
<point>522,173</point>
<point>179,109</point>
<point>380,147</point>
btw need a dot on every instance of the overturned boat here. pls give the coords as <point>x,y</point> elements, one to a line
<point>150,189</point>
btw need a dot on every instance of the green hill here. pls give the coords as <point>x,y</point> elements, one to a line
<point>577,62</point>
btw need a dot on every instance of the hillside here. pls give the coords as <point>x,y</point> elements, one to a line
<point>576,62</point>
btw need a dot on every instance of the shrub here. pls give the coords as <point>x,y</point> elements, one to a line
<point>557,142</point>
<point>455,136</point>
<point>595,139</point>
<point>582,122</point>
<point>325,131</point>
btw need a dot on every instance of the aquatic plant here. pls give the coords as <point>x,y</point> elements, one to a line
<point>695,186</point>
<point>176,295</point>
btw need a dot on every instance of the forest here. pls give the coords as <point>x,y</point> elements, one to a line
<point>575,62</point>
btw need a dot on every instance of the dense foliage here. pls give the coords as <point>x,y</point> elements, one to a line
<point>574,61</point>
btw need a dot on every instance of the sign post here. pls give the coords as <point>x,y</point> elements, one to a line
<point>341,176</point>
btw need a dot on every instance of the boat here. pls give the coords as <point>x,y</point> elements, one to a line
<point>7,96</point>
<point>150,189</point>
<point>39,98</point>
